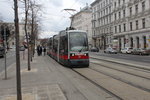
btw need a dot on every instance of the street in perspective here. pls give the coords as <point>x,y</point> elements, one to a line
<point>75,50</point>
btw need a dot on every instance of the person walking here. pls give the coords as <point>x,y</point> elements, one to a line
<point>38,50</point>
<point>44,50</point>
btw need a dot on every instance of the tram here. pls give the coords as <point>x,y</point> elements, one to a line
<point>70,48</point>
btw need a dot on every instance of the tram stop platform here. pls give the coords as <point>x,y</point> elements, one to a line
<point>37,84</point>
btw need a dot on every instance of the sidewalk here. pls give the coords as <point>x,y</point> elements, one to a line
<point>37,84</point>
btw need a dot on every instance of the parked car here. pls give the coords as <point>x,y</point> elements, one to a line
<point>127,50</point>
<point>2,51</point>
<point>110,50</point>
<point>141,51</point>
<point>94,49</point>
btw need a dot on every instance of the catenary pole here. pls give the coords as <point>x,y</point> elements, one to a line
<point>18,77</point>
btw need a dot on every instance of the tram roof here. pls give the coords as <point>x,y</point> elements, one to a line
<point>76,31</point>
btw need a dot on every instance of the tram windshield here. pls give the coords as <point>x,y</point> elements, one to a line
<point>78,41</point>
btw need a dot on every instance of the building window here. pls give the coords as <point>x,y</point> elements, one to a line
<point>115,29</point>
<point>137,24</point>
<point>115,16</point>
<point>109,9</point>
<point>130,11</point>
<point>119,15</point>
<point>143,23</point>
<point>110,18</point>
<point>118,2</point>
<point>124,13</point>
<point>120,28</point>
<point>136,8</point>
<point>106,10</point>
<point>143,5</point>
<point>115,4</point>
<point>123,1</point>
<point>106,1</point>
<point>131,26</point>
<point>124,25</point>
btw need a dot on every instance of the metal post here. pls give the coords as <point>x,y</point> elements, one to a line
<point>18,76</point>
<point>5,52</point>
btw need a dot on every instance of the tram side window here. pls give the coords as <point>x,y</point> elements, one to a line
<point>50,44</point>
<point>55,45</point>
<point>63,45</point>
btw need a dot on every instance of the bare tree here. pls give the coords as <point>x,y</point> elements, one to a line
<point>31,15</point>
<point>35,9</point>
<point>18,76</point>
<point>26,14</point>
<point>27,35</point>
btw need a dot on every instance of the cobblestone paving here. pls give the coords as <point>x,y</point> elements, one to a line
<point>49,92</point>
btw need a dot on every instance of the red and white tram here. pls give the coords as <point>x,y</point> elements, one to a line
<point>70,48</point>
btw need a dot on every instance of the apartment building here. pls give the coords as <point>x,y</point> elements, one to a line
<point>121,23</point>
<point>102,23</point>
<point>82,21</point>
<point>131,26</point>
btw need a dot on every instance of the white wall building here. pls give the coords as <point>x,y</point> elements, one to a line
<point>82,21</point>
<point>131,23</point>
<point>102,23</point>
<point>11,28</point>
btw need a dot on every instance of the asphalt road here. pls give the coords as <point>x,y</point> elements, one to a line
<point>10,60</point>
<point>138,58</point>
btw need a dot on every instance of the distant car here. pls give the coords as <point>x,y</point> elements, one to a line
<point>141,51</point>
<point>2,51</point>
<point>22,48</point>
<point>127,50</point>
<point>94,49</point>
<point>110,50</point>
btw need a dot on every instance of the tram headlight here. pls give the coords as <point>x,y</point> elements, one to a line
<point>72,54</point>
<point>86,54</point>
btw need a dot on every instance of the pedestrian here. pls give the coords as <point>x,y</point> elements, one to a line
<point>44,50</point>
<point>38,50</point>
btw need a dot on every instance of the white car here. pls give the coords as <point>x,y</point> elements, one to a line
<point>127,50</point>
<point>110,50</point>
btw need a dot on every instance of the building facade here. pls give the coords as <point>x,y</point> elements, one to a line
<point>11,29</point>
<point>131,26</point>
<point>121,23</point>
<point>82,21</point>
<point>102,23</point>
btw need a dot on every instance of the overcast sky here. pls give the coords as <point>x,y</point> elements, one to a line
<point>53,19</point>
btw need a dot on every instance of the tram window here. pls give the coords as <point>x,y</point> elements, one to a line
<point>63,44</point>
<point>78,42</point>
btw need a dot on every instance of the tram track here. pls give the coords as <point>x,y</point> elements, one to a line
<point>119,89</point>
<point>148,78</point>
<point>101,87</point>
<point>98,74</point>
<point>123,80</point>
<point>129,65</point>
<point>139,72</point>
